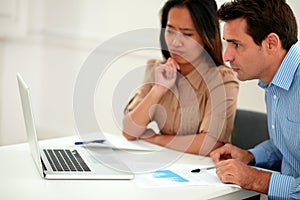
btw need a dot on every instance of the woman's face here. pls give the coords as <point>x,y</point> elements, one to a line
<point>182,38</point>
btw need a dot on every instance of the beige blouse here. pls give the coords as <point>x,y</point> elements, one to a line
<point>204,101</point>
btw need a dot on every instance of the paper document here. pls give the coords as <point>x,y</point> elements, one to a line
<point>119,142</point>
<point>179,175</point>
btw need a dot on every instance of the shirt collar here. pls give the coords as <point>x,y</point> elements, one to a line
<point>194,78</point>
<point>287,69</point>
<point>204,72</point>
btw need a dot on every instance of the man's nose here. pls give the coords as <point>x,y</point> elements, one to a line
<point>228,55</point>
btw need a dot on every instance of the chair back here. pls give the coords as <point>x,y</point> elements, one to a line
<point>250,128</point>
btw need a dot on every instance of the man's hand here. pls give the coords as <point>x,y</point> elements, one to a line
<point>229,151</point>
<point>237,172</point>
<point>231,167</point>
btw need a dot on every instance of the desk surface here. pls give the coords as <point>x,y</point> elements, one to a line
<point>21,180</point>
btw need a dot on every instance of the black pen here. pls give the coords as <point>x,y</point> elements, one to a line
<point>199,170</point>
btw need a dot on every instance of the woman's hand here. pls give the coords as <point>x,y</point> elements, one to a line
<point>165,75</point>
<point>148,134</point>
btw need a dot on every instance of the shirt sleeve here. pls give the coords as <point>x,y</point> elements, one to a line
<point>220,109</point>
<point>284,187</point>
<point>281,186</point>
<point>267,155</point>
<point>231,85</point>
<point>145,86</point>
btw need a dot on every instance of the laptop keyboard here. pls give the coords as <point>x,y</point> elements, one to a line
<point>66,160</point>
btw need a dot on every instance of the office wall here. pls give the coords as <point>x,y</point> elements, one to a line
<point>53,43</point>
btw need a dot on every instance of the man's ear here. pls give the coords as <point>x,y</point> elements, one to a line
<point>272,43</point>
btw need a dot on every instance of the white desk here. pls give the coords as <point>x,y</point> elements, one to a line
<point>19,179</point>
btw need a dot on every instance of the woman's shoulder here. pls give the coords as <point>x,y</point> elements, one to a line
<point>150,68</point>
<point>226,72</point>
<point>154,62</point>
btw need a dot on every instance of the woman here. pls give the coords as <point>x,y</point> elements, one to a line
<point>192,100</point>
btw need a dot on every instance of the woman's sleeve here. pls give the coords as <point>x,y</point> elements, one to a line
<point>231,85</point>
<point>145,86</point>
<point>219,114</point>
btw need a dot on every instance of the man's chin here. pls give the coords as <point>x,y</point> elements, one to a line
<point>241,78</point>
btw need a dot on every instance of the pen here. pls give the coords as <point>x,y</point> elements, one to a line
<point>88,142</point>
<point>199,170</point>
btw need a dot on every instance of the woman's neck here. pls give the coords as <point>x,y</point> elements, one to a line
<point>185,69</point>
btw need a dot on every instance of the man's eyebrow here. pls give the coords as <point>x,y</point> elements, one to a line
<point>232,40</point>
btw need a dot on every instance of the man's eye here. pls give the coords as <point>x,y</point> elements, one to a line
<point>236,45</point>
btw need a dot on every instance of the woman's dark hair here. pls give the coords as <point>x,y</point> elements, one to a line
<point>263,17</point>
<point>206,23</point>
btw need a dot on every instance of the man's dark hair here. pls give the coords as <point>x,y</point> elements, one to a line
<point>263,17</point>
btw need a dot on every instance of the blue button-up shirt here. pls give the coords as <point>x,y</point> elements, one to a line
<point>282,97</point>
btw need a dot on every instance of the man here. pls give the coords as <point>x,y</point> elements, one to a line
<point>261,38</point>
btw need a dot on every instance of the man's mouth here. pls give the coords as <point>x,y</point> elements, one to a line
<point>236,69</point>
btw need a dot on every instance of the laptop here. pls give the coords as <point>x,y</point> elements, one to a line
<point>69,162</point>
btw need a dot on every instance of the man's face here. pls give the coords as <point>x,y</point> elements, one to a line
<point>246,58</point>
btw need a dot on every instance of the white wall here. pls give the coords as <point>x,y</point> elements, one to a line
<point>60,34</point>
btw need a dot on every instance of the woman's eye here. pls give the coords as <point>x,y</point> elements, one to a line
<point>170,31</point>
<point>188,34</point>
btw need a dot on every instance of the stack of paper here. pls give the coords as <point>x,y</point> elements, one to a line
<point>179,175</point>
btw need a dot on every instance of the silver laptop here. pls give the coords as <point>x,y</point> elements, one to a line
<point>65,162</point>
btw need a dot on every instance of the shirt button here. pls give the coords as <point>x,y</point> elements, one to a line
<point>273,126</point>
<point>275,97</point>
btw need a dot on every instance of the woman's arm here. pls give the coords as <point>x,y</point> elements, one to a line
<point>135,122</point>
<point>200,144</point>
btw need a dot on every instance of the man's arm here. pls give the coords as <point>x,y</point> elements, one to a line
<point>280,186</point>
<point>267,156</point>
<point>284,187</point>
